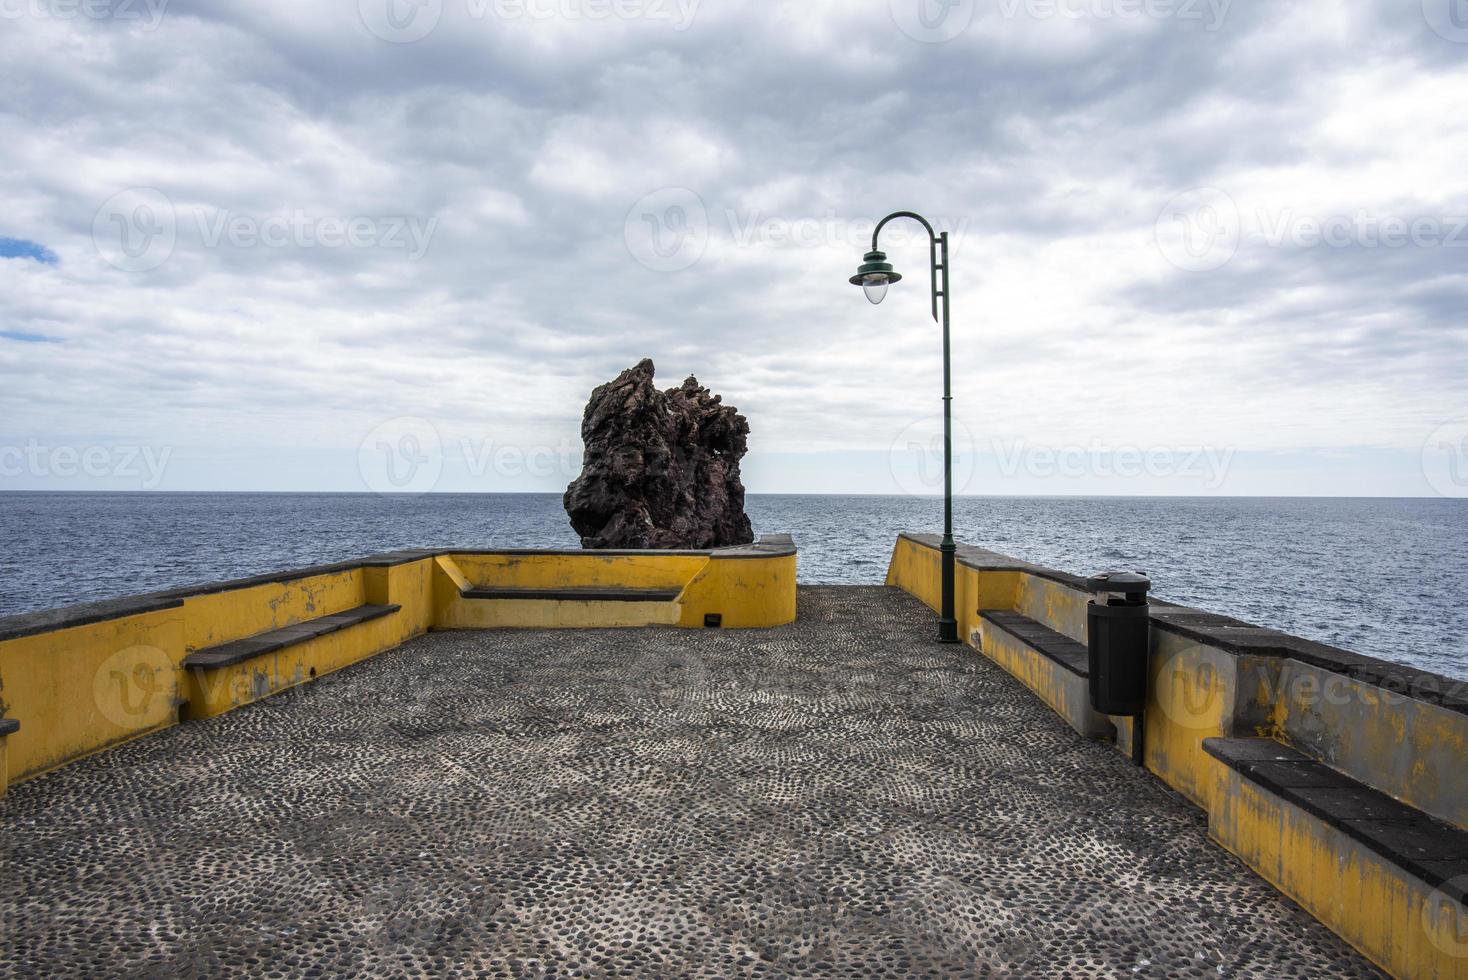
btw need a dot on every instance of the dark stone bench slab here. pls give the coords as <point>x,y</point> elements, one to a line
<point>1055,646</point>
<point>580,594</point>
<point>8,726</point>
<point>1434,851</point>
<point>238,651</point>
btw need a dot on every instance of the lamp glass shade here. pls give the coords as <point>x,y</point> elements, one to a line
<point>874,275</point>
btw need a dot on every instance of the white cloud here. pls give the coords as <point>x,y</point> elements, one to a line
<point>517,147</point>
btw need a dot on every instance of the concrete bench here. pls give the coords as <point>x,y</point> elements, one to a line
<point>1053,665</point>
<point>574,594</point>
<point>238,651</point>
<point>1406,838</point>
<point>1045,641</point>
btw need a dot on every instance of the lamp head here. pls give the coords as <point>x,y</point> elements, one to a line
<point>874,276</point>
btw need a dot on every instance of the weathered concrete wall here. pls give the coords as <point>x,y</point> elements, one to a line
<point>1413,750</point>
<point>82,679</point>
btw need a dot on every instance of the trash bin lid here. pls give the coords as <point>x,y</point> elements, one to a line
<point>1128,582</point>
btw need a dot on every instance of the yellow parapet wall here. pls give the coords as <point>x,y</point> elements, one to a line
<point>740,588</point>
<point>82,679</point>
<point>1389,743</point>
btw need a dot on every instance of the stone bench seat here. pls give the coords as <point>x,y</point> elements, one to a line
<point>574,594</point>
<point>1058,647</point>
<point>1053,665</point>
<point>8,726</point>
<point>238,651</point>
<point>1427,848</point>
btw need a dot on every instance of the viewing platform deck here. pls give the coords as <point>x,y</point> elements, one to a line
<point>839,794</point>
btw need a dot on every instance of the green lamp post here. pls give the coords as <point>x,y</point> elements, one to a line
<point>874,276</point>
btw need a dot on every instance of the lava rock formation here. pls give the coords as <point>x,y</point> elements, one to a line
<point>661,468</point>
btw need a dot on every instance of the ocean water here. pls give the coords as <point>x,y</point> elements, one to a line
<point>1383,577</point>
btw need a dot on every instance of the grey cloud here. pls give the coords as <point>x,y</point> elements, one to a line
<point>1052,145</point>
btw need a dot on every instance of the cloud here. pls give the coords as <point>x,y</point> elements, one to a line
<point>277,229</point>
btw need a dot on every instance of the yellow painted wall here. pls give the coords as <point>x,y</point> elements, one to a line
<point>1394,919</point>
<point>1192,695</point>
<point>747,593</point>
<point>78,690</point>
<point>409,586</point>
<point>215,692</point>
<point>1058,606</point>
<point>580,569</point>
<point>1413,750</point>
<point>223,616</point>
<point>457,572</point>
<point>918,570</point>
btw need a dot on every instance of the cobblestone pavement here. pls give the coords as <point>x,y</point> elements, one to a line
<point>840,796</point>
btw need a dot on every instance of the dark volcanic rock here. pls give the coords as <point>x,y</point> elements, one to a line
<point>661,468</point>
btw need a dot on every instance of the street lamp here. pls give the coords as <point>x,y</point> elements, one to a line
<point>874,276</point>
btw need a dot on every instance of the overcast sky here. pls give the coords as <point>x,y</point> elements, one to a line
<point>1199,246</point>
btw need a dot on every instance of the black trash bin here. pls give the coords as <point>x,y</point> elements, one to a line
<point>1118,631</point>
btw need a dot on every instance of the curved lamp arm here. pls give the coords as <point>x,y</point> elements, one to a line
<point>902,214</point>
<point>934,240</point>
